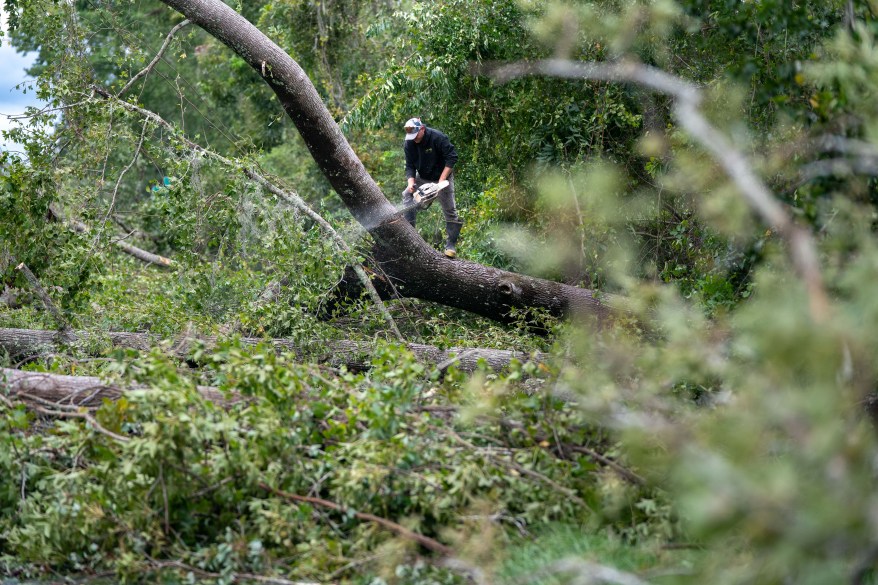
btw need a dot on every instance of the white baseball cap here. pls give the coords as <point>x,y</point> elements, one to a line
<point>412,127</point>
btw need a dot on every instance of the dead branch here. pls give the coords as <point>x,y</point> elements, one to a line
<point>143,255</point>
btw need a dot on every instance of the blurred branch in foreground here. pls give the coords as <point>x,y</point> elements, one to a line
<point>687,109</point>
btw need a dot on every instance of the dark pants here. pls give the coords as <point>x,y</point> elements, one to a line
<point>445,197</point>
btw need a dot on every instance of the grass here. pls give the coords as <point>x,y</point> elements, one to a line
<point>535,561</point>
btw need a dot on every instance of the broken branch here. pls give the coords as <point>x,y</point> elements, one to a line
<point>425,541</point>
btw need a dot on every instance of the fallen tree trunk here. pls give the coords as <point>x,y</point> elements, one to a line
<point>26,343</point>
<point>399,252</point>
<point>56,391</point>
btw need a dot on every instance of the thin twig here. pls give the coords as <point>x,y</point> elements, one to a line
<point>39,112</point>
<point>425,541</point>
<point>83,415</point>
<point>119,180</point>
<point>203,492</point>
<point>155,59</point>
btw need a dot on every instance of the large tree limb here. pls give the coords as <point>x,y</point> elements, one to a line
<point>400,252</point>
<point>21,343</point>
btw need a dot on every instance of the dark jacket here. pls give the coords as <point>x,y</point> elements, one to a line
<point>434,153</point>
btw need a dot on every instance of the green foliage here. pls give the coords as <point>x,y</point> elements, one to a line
<point>747,418</point>
<point>764,45</point>
<point>189,483</point>
<point>60,256</point>
<point>499,130</point>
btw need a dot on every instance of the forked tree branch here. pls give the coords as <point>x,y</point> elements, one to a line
<point>155,60</point>
<point>687,101</point>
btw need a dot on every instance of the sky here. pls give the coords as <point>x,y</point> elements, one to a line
<point>12,72</point>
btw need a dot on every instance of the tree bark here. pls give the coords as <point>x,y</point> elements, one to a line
<point>26,343</point>
<point>399,251</point>
<point>59,391</point>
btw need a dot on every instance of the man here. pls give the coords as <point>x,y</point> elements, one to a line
<point>429,158</point>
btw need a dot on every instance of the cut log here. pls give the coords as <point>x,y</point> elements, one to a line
<point>60,392</point>
<point>355,355</point>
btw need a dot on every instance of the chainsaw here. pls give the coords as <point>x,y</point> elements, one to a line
<point>423,197</point>
<point>426,193</point>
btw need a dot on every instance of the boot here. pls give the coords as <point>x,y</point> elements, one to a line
<point>453,229</point>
